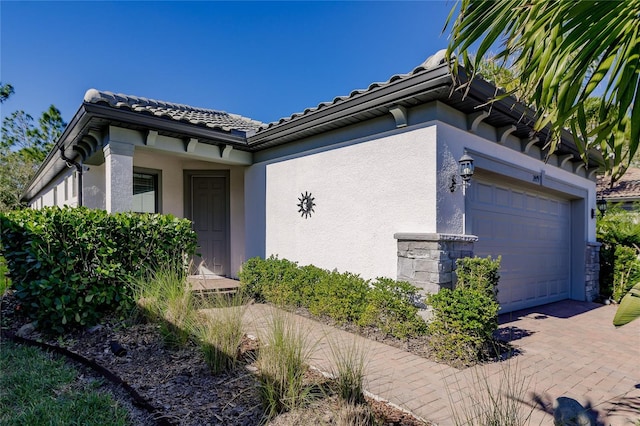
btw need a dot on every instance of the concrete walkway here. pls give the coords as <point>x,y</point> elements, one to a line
<point>566,349</point>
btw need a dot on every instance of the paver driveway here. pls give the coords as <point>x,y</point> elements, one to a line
<point>571,349</point>
<point>566,349</point>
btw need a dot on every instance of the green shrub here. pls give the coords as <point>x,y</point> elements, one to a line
<point>344,297</point>
<point>478,273</point>
<point>617,228</point>
<point>626,271</point>
<point>5,282</point>
<point>465,318</point>
<point>309,276</point>
<point>263,280</point>
<point>69,266</point>
<point>290,286</point>
<point>390,307</point>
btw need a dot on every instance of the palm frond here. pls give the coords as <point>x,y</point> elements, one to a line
<point>565,52</point>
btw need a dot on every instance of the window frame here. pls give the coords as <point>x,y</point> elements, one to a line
<point>157,174</point>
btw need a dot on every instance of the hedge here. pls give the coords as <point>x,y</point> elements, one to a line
<point>343,297</point>
<point>618,228</point>
<point>69,266</point>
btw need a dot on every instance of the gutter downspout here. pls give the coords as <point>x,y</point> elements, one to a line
<point>78,166</point>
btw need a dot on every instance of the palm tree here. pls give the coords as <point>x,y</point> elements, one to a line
<point>563,52</point>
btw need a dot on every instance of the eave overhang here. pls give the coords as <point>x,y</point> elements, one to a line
<point>435,84</point>
<point>407,91</point>
<point>78,140</point>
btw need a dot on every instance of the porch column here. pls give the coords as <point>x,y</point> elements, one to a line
<point>118,171</point>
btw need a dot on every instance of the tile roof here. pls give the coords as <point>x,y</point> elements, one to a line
<point>431,62</point>
<point>225,121</point>
<point>179,112</point>
<point>626,188</point>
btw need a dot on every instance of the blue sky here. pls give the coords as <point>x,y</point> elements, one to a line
<point>264,60</point>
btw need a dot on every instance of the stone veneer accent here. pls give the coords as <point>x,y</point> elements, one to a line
<point>428,261</point>
<point>592,271</point>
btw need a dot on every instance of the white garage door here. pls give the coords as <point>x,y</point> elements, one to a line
<point>531,231</point>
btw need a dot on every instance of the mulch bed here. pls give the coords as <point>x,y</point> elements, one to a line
<point>418,345</point>
<point>177,382</point>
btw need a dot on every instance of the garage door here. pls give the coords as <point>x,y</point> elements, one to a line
<point>531,230</point>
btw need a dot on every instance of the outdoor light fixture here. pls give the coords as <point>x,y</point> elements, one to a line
<point>601,204</point>
<point>465,170</point>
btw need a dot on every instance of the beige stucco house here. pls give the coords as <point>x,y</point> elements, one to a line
<point>367,183</point>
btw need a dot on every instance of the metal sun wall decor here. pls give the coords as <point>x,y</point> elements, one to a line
<point>306,204</point>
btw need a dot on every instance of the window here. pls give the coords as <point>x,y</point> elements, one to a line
<point>66,188</point>
<point>55,195</point>
<point>146,191</point>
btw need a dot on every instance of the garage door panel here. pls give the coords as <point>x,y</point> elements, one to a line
<point>517,200</point>
<point>554,288</point>
<point>531,231</point>
<point>503,198</point>
<point>552,207</point>
<point>484,194</point>
<point>532,203</point>
<point>483,227</point>
<point>543,289</point>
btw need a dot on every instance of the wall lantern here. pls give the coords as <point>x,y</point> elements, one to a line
<point>465,170</point>
<point>466,167</point>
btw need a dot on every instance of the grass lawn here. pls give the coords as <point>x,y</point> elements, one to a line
<point>37,389</point>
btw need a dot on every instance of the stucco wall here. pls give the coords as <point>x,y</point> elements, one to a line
<point>59,192</point>
<point>365,191</point>
<point>451,145</point>
<point>93,184</point>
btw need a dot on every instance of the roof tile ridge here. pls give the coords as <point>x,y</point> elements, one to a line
<point>158,107</point>
<point>95,96</point>
<point>242,117</point>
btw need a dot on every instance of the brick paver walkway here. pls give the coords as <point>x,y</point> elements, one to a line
<point>566,349</point>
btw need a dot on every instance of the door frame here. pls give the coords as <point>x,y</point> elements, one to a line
<point>188,176</point>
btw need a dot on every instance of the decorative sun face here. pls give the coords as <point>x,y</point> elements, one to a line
<point>306,205</point>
